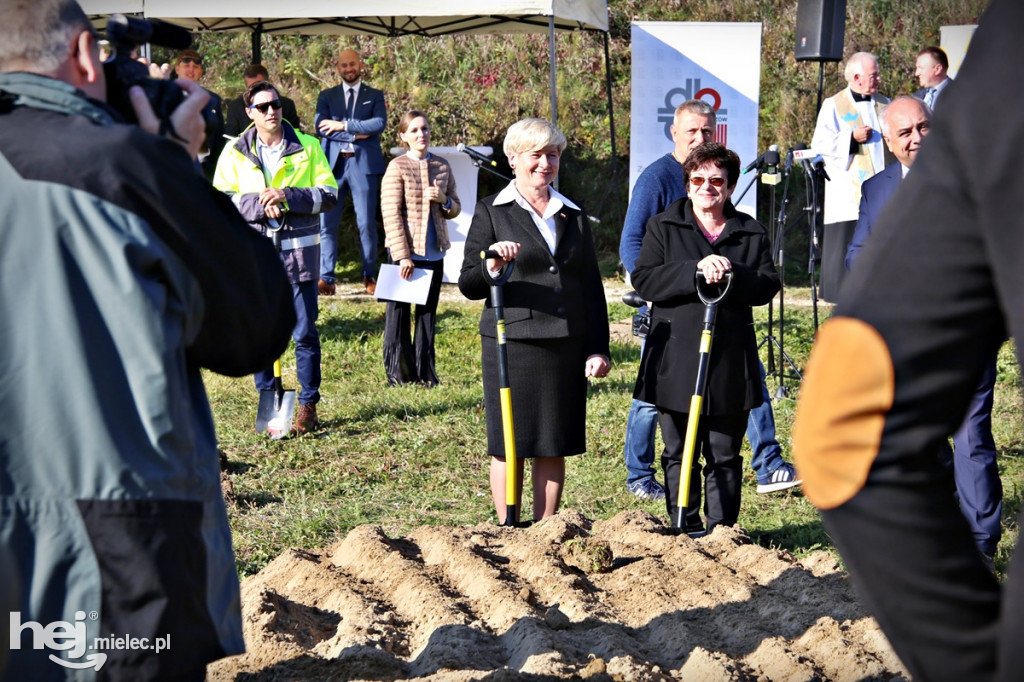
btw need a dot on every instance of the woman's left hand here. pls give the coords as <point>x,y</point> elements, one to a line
<point>598,366</point>
<point>405,268</point>
<point>714,268</point>
<point>436,194</point>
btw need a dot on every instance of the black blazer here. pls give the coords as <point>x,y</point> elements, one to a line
<point>548,296</point>
<point>665,273</point>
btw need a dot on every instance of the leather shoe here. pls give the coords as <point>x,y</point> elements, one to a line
<point>326,288</point>
<point>371,285</point>
<point>306,420</point>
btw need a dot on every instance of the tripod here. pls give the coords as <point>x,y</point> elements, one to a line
<point>813,176</point>
<point>777,236</point>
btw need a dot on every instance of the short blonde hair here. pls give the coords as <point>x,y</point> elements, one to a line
<point>532,134</point>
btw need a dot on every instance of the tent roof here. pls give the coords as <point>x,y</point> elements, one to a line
<point>389,18</point>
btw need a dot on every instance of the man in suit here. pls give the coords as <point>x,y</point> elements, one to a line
<point>905,123</point>
<point>237,116</point>
<point>350,118</point>
<point>930,70</point>
<point>848,138</point>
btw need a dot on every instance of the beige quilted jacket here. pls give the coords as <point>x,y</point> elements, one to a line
<point>405,208</point>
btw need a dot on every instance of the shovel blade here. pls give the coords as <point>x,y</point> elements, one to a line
<point>275,413</point>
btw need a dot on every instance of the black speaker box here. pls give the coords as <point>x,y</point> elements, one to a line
<point>820,25</point>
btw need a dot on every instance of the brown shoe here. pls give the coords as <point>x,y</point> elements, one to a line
<point>326,288</point>
<point>306,420</point>
<point>371,285</point>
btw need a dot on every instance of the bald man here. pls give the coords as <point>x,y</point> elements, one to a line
<point>350,118</point>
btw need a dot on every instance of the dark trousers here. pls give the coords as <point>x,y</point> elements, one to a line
<point>835,237</point>
<point>975,469</point>
<point>719,438</point>
<point>409,358</point>
<point>307,346</point>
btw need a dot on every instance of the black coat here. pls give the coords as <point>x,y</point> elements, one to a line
<point>548,296</point>
<point>665,274</point>
<point>237,120</point>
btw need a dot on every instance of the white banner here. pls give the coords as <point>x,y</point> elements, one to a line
<point>955,40</point>
<point>719,63</point>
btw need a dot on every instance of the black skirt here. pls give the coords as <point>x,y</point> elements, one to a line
<point>549,396</point>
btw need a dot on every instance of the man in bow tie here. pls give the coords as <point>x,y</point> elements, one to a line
<point>349,119</point>
<point>848,137</point>
<point>931,71</point>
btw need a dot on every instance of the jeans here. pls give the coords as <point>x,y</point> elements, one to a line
<point>642,423</point>
<point>362,188</point>
<point>307,346</point>
<point>766,454</point>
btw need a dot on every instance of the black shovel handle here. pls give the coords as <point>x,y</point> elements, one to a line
<point>503,277</point>
<point>708,300</point>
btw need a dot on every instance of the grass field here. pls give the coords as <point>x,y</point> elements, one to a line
<point>408,456</point>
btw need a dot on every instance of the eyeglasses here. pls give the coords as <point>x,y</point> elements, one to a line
<point>274,104</point>
<point>191,60</point>
<point>697,181</point>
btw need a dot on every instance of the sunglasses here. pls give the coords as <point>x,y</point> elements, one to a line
<point>697,181</point>
<point>191,60</point>
<point>274,104</point>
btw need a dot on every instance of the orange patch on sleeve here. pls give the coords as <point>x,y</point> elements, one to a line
<point>848,390</point>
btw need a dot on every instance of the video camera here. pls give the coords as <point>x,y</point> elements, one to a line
<point>122,71</point>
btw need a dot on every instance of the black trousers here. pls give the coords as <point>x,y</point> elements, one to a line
<point>719,438</point>
<point>407,360</point>
<point>835,238</point>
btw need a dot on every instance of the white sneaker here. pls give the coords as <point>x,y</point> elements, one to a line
<point>782,478</point>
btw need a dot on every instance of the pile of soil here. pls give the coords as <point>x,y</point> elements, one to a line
<point>624,599</point>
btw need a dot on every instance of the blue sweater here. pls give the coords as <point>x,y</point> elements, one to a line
<point>659,185</point>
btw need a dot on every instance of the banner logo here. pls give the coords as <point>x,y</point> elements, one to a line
<point>692,89</point>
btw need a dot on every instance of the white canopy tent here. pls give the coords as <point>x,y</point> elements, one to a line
<point>389,18</point>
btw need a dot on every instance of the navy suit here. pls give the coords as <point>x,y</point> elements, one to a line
<point>974,450</point>
<point>358,173</point>
<point>874,194</point>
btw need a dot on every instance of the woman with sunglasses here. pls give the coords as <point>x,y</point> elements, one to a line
<point>417,199</point>
<point>704,233</point>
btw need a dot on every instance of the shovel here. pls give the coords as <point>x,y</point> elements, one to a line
<point>697,399</point>
<point>504,389</point>
<point>277,408</point>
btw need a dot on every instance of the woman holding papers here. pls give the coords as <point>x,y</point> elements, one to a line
<point>417,198</point>
<point>556,318</point>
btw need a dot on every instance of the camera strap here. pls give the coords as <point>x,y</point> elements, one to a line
<point>167,128</point>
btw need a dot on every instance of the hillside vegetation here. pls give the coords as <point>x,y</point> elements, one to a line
<point>473,87</point>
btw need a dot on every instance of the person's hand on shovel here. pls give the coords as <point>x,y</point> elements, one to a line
<point>507,250</point>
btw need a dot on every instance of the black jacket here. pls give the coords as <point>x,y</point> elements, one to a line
<point>665,274</point>
<point>548,296</point>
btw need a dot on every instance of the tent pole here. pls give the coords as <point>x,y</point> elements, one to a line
<point>551,60</point>
<point>608,88</point>
<point>257,43</point>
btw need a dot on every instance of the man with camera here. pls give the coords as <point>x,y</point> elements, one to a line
<point>122,274</point>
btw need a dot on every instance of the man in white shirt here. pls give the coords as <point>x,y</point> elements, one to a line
<point>931,71</point>
<point>848,137</point>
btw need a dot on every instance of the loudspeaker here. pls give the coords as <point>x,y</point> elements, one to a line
<point>820,25</point>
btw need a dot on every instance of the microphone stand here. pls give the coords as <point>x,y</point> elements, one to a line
<point>490,170</point>
<point>812,181</point>
<point>777,234</point>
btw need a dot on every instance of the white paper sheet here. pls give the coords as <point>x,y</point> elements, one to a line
<point>391,286</point>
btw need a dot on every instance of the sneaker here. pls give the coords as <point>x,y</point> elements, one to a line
<point>647,489</point>
<point>782,478</point>
<point>306,420</point>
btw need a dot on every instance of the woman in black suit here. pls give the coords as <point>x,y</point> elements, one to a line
<point>704,233</point>
<point>556,318</point>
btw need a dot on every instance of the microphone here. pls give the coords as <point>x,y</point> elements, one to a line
<point>790,154</point>
<point>476,156</point>
<point>770,175</point>
<point>756,163</point>
<point>819,167</point>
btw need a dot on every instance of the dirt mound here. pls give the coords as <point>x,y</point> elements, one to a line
<point>622,599</point>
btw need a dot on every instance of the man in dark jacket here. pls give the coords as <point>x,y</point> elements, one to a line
<point>237,118</point>
<point>122,274</point>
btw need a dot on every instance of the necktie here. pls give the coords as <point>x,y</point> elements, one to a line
<point>929,97</point>
<point>350,105</point>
